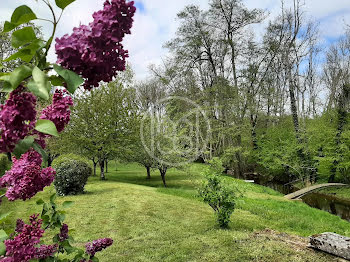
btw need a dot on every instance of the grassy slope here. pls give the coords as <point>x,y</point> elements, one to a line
<point>150,223</point>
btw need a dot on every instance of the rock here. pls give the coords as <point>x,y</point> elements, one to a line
<point>332,243</point>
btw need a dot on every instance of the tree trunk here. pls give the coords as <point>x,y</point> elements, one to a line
<point>95,165</point>
<point>293,108</point>
<point>254,121</point>
<point>148,172</point>
<point>162,171</point>
<point>50,159</point>
<point>102,167</point>
<point>332,243</point>
<point>239,171</point>
<point>342,121</point>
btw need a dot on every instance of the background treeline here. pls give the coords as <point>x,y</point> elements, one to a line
<point>277,100</point>
<point>275,95</point>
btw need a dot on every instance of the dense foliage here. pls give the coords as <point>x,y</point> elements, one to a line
<point>72,173</point>
<point>5,164</point>
<point>277,100</point>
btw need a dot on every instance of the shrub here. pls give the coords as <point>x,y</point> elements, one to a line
<point>72,173</point>
<point>220,198</point>
<point>5,164</point>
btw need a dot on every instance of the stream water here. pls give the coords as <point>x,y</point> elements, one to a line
<point>329,203</point>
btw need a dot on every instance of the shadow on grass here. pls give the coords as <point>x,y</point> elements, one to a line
<point>135,174</point>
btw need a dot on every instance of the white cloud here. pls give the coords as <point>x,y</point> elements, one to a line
<point>157,23</point>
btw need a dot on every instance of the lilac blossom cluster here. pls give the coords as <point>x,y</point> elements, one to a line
<point>63,235</point>
<point>17,118</point>
<point>98,245</point>
<point>58,112</point>
<point>24,246</point>
<point>19,225</point>
<point>95,51</point>
<point>26,177</point>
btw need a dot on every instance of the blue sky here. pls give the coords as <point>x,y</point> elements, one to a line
<point>155,22</point>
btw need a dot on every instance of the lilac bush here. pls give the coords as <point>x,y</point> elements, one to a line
<point>92,54</point>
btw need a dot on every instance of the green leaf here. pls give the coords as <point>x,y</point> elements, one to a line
<point>67,247</point>
<point>23,146</point>
<point>67,204</point>
<point>23,36</point>
<point>22,14</point>
<point>24,54</point>
<point>8,26</point>
<point>61,217</point>
<point>45,210</point>
<point>40,85</point>
<point>56,80</point>
<point>48,43</point>
<point>2,249</point>
<point>27,53</point>
<point>94,259</point>
<point>7,86</point>
<point>3,235</point>
<point>56,239</point>
<point>40,202</point>
<point>63,3</point>
<point>46,127</point>
<point>53,197</point>
<point>40,150</point>
<point>72,79</point>
<point>13,80</point>
<point>3,217</point>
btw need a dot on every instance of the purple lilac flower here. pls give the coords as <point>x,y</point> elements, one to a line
<point>58,112</point>
<point>19,226</point>
<point>26,178</point>
<point>17,118</point>
<point>23,247</point>
<point>63,233</point>
<point>45,251</point>
<point>95,51</point>
<point>98,245</point>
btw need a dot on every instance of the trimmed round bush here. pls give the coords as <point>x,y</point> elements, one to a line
<point>5,164</point>
<point>72,173</point>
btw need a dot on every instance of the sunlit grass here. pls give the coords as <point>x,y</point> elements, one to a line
<point>152,223</point>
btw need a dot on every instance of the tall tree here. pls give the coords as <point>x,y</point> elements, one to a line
<point>102,123</point>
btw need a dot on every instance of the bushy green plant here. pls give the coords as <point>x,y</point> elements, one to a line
<point>5,164</point>
<point>72,173</point>
<point>220,198</point>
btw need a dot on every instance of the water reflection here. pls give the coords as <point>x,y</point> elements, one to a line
<point>331,204</point>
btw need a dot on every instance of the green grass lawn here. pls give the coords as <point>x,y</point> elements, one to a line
<point>152,223</point>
